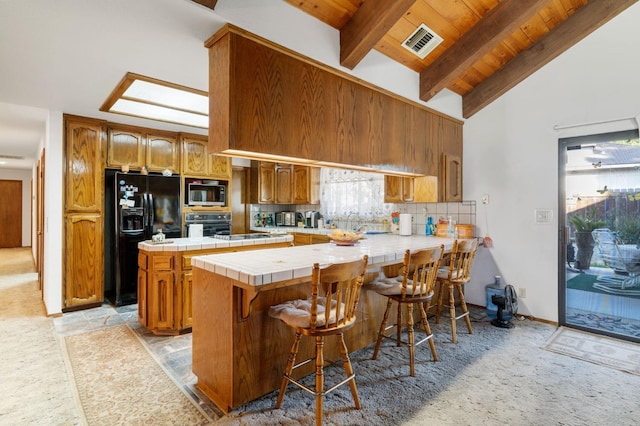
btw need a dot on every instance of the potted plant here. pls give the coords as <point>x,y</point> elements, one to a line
<point>584,240</point>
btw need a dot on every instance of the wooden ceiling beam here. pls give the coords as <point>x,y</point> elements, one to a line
<point>367,26</point>
<point>211,4</point>
<point>583,22</point>
<point>482,38</point>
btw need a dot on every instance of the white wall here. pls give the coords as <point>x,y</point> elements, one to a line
<point>53,221</point>
<point>511,153</point>
<point>25,177</point>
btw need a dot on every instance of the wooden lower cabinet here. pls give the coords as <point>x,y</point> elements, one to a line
<point>303,239</point>
<point>187,303</point>
<point>84,264</point>
<point>165,282</point>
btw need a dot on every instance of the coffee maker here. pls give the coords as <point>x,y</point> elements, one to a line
<point>312,219</point>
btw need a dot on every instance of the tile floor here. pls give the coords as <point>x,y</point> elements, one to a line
<point>172,352</point>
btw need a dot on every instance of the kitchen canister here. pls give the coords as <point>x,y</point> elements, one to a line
<point>405,224</point>
<point>195,230</point>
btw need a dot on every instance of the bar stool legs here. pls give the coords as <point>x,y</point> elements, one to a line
<point>320,392</point>
<point>451,289</point>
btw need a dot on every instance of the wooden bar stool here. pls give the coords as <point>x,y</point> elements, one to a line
<point>320,316</point>
<point>452,279</point>
<point>413,287</point>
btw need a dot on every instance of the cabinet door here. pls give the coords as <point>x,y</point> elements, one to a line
<point>160,294</point>
<point>219,166</point>
<point>407,189</point>
<point>194,157</point>
<point>284,183</point>
<point>187,303</point>
<point>266,183</point>
<point>301,185</point>
<point>452,177</point>
<point>84,263</point>
<point>162,153</point>
<point>142,296</point>
<point>84,174</point>
<point>393,191</point>
<point>125,148</point>
<point>425,189</point>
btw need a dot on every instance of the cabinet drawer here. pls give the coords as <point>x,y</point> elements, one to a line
<point>142,260</point>
<point>162,262</point>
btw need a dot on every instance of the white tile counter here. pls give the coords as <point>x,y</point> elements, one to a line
<point>206,243</point>
<point>256,268</point>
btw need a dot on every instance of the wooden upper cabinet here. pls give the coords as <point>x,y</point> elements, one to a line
<point>125,147</point>
<point>194,157</point>
<point>450,169</point>
<point>399,189</point>
<point>313,111</point>
<point>136,148</point>
<point>84,174</point>
<point>266,183</point>
<point>451,177</point>
<point>162,153</point>
<point>306,185</point>
<point>196,160</point>
<point>219,166</point>
<point>284,183</point>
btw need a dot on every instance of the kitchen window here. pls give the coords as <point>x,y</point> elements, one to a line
<point>355,195</point>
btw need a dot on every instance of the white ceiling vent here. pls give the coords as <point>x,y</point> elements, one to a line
<point>11,157</point>
<point>422,41</point>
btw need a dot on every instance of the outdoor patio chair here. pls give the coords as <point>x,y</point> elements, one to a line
<point>623,259</point>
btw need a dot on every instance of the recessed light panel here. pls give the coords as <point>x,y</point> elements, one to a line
<point>153,99</point>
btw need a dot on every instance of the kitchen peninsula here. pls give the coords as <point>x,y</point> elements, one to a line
<point>239,352</point>
<point>165,276</point>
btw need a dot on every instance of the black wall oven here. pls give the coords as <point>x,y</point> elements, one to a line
<point>212,223</point>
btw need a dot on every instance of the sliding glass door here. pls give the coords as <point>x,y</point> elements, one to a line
<point>599,186</point>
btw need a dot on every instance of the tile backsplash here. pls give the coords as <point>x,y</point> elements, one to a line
<point>462,213</point>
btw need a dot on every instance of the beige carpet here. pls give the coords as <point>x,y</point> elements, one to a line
<point>34,384</point>
<point>600,350</point>
<point>120,383</point>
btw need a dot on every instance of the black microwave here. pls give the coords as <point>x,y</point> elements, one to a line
<point>207,194</point>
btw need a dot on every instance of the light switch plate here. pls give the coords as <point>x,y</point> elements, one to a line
<point>543,215</point>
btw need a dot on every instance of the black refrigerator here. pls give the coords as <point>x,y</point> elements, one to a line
<point>136,207</point>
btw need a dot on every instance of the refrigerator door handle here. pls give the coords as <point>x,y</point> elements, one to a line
<point>151,213</point>
<point>145,209</point>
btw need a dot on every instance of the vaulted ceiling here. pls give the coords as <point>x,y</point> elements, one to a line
<point>487,46</point>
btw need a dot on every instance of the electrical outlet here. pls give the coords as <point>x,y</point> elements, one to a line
<point>522,292</point>
<point>485,199</point>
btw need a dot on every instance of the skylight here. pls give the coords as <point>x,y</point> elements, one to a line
<point>145,97</point>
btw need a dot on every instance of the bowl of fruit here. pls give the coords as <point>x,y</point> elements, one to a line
<point>345,238</point>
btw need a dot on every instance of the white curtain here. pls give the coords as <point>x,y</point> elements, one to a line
<point>351,194</point>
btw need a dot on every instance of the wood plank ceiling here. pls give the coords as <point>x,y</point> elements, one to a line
<point>488,46</point>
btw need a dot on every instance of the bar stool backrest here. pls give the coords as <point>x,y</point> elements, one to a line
<point>462,254</point>
<point>335,292</point>
<point>419,272</point>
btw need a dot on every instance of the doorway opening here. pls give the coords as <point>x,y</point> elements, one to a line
<point>599,265</point>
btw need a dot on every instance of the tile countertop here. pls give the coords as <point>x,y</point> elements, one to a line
<point>280,264</point>
<point>205,243</point>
